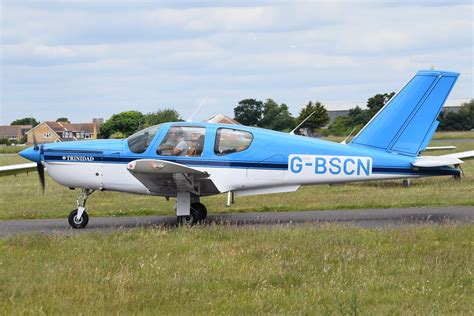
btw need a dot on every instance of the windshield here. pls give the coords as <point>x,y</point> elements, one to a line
<point>140,141</point>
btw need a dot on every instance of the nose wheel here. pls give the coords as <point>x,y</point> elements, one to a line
<point>76,221</point>
<point>79,218</point>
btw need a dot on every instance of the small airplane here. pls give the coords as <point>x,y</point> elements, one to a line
<point>188,160</point>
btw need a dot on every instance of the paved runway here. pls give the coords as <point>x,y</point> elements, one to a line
<point>362,218</point>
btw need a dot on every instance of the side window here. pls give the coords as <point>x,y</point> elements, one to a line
<point>183,141</point>
<point>229,141</point>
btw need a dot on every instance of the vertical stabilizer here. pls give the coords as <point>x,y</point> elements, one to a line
<point>407,122</point>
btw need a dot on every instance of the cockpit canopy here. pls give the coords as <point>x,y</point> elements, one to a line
<point>189,140</point>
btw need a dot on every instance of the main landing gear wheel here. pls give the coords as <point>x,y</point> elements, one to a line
<point>76,222</point>
<point>201,209</point>
<point>189,220</point>
<point>197,213</point>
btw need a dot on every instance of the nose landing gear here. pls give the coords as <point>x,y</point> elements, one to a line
<point>79,218</point>
<point>78,222</point>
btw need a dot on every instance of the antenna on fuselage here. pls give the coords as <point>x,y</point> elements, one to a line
<point>197,110</point>
<point>347,137</point>
<point>299,125</point>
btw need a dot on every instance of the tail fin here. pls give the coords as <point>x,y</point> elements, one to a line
<point>407,122</point>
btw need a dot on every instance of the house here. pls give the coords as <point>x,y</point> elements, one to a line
<point>222,119</point>
<point>14,133</point>
<point>50,132</point>
<point>333,114</point>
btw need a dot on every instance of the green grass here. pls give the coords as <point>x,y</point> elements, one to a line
<point>437,136</point>
<point>225,270</point>
<point>11,149</point>
<point>454,135</point>
<point>21,196</point>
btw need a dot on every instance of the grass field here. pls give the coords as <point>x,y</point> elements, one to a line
<point>11,149</point>
<point>225,270</point>
<point>327,269</point>
<point>21,196</point>
<point>454,135</point>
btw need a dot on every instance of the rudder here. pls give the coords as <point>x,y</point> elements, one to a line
<point>407,122</point>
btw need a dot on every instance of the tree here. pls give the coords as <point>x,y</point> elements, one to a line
<point>453,121</point>
<point>117,135</point>
<point>63,119</point>
<point>125,122</point>
<point>359,117</point>
<point>25,121</point>
<point>458,121</point>
<point>249,112</point>
<point>375,103</point>
<point>161,116</point>
<point>276,117</point>
<point>355,119</point>
<point>341,126</point>
<point>319,119</point>
<point>467,110</point>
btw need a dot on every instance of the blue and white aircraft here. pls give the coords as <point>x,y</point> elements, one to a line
<point>188,160</point>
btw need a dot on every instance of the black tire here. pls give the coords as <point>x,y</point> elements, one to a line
<point>78,224</point>
<point>201,209</point>
<point>189,220</point>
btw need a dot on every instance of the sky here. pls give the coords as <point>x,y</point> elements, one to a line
<point>85,59</point>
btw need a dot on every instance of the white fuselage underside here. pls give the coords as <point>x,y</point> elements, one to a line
<point>116,177</point>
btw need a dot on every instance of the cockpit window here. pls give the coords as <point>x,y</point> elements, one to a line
<point>140,141</point>
<point>183,141</point>
<point>230,141</point>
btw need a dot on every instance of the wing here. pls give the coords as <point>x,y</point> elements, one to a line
<point>166,178</point>
<point>16,169</point>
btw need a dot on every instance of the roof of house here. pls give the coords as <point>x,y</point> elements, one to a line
<point>222,119</point>
<point>59,127</point>
<point>12,130</point>
<point>71,127</point>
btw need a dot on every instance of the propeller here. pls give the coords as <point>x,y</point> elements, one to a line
<point>39,165</point>
<point>40,168</point>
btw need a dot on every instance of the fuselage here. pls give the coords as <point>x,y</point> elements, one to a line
<point>269,160</point>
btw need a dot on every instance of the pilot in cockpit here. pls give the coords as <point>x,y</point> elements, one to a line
<point>174,145</point>
<point>181,147</point>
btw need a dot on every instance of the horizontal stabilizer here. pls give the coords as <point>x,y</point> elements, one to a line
<point>465,155</point>
<point>445,160</point>
<point>16,169</point>
<point>440,148</point>
<point>436,161</point>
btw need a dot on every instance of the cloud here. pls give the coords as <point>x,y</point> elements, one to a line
<point>59,58</point>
